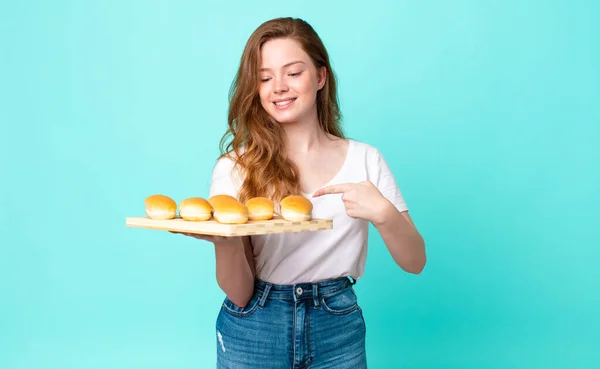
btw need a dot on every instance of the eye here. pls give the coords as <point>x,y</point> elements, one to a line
<point>295,74</point>
<point>266,79</point>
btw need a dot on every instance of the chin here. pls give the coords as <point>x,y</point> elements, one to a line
<point>289,117</point>
<point>285,119</point>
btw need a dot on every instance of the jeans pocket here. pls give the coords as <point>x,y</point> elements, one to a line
<point>241,312</point>
<point>340,303</point>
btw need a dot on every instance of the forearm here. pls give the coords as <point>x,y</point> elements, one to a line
<point>235,275</point>
<point>402,239</point>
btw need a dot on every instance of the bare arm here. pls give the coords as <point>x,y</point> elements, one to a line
<point>402,239</point>
<point>235,268</point>
<point>364,201</point>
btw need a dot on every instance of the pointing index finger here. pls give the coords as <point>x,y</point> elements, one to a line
<point>340,188</point>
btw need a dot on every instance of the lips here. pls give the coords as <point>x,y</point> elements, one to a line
<point>284,103</point>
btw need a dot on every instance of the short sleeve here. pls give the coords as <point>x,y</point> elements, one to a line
<point>225,178</point>
<point>385,181</point>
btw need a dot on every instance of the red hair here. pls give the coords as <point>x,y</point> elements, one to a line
<point>263,160</point>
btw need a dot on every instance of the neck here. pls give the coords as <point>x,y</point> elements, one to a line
<point>303,136</point>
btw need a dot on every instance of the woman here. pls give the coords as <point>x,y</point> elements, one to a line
<point>290,299</point>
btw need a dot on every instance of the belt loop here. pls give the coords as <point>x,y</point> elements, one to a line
<point>315,294</point>
<point>265,294</point>
<point>352,280</point>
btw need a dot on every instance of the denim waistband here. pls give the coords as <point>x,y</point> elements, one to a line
<point>299,291</point>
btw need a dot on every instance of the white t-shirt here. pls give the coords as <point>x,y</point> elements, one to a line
<point>291,258</point>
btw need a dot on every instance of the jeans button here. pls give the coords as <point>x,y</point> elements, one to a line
<point>299,291</point>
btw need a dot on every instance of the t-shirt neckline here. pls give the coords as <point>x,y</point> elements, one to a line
<point>339,172</point>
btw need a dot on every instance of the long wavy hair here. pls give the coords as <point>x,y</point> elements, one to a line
<point>255,139</point>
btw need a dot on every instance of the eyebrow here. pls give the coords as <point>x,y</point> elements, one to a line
<point>285,66</point>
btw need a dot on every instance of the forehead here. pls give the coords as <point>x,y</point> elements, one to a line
<point>279,52</point>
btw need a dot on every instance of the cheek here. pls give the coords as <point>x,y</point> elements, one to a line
<point>264,93</point>
<point>305,86</point>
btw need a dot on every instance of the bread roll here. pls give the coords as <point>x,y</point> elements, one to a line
<point>227,209</point>
<point>260,208</point>
<point>296,208</point>
<point>195,209</point>
<point>160,207</point>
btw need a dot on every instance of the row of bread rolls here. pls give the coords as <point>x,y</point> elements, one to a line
<point>227,209</point>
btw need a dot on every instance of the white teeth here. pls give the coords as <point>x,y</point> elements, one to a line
<point>281,103</point>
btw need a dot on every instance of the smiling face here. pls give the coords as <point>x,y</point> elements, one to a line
<point>289,81</point>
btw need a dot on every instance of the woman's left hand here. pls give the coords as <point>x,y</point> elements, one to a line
<point>362,200</point>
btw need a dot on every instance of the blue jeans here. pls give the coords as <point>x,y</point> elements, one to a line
<point>297,326</point>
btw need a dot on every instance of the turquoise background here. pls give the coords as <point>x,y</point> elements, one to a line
<point>488,113</point>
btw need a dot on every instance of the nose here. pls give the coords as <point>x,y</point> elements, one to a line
<point>280,85</point>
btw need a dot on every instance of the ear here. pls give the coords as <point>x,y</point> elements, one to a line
<point>321,77</point>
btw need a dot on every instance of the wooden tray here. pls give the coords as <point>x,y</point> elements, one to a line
<point>212,227</point>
